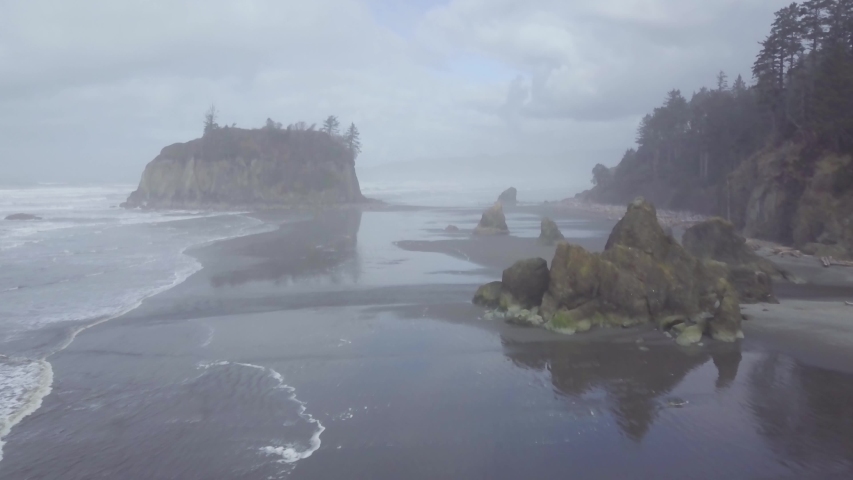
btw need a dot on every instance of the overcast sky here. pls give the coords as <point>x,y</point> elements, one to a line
<point>91,90</point>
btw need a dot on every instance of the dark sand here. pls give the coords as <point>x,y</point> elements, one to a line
<point>344,345</point>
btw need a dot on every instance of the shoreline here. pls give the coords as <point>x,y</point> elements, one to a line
<point>274,300</point>
<point>46,377</point>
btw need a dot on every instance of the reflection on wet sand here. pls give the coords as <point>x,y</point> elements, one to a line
<point>633,380</point>
<point>805,413</point>
<point>323,246</point>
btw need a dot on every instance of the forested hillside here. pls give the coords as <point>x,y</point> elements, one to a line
<point>762,154</point>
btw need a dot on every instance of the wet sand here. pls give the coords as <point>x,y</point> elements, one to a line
<point>344,345</point>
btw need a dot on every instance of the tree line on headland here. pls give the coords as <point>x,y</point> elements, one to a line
<point>349,138</point>
<point>710,153</point>
<point>802,91</point>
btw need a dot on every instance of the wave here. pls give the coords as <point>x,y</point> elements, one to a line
<point>24,382</point>
<point>290,452</point>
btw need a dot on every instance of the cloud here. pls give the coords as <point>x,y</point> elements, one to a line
<point>603,60</point>
<point>92,89</point>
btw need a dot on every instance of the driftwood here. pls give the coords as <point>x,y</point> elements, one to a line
<point>783,251</point>
<point>829,261</point>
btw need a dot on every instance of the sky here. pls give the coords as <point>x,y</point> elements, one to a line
<point>91,90</point>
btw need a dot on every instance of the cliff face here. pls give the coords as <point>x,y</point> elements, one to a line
<point>238,168</point>
<point>773,197</point>
<point>784,193</point>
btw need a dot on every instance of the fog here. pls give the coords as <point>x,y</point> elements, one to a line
<point>90,91</point>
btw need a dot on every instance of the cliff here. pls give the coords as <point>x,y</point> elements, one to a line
<point>240,168</point>
<point>795,196</point>
<point>789,193</point>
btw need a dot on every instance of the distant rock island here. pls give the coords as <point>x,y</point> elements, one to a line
<point>269,167</point>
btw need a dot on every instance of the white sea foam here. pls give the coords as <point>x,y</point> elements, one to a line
<point>23,385</point>
<point>73,256</point>
<point>290,452</point>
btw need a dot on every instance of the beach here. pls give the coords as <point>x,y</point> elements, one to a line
<point>344,344</point>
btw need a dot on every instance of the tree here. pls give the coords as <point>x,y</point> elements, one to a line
<point>272,125</point>
<point>601,175</point>
<point>351,140</point>
<point>210,119</point>
<point>330,125</point>
<point>814,16</point>
<point>739,87</point>
<point>722,81</point>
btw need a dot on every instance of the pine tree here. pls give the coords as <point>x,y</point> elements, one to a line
<point>210,119</point>
<point>813,17</point>
<point>352,141</point>
<point>331,125</point>
<point>722,81</point>
<point>739,87</point>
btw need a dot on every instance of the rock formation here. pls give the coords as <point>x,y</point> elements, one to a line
<point>716,239</point>
<point>508,196</point>
<point>22,216</point>
<point>642,276</point>
<point>451,228</point>
<point>549,232</point>
<point>526,282</point>
<point>787,193</point>
<point>493,222</point>
<point>239,168</point>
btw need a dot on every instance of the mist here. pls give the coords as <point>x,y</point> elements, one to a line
<point>91,92</point>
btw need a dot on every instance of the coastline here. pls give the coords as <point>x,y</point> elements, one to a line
<point>34,400</point>
<point>363,334</point>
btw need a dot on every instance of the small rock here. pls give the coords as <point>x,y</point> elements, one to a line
<point>679,327</point>
<point>690,336</point>
<point>493,222</point>
<point>549,232</point>
<point>644,348</point>
<point>451,228</point>
<point>584,325</point>
<point>22,216</point>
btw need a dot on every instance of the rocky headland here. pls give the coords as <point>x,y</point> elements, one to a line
<point>258,168</point>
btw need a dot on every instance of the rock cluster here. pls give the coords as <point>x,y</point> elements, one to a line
<point>643,276</point>
<point>550,233</point>
<point>493,222</point>
<point>717,240</point>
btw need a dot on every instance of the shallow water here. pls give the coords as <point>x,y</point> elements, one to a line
<point>320,350</point>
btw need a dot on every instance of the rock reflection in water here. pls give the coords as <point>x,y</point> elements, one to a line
<point>805,413</point>
<point>322,247</point>
<point>635,382</point>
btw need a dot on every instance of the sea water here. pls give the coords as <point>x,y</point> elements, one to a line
<point>85,261</point>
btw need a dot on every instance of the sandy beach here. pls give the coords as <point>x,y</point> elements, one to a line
<point>343,344</point>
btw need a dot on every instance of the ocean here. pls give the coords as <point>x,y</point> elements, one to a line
<point>84,262</point>
<point>344,344</point>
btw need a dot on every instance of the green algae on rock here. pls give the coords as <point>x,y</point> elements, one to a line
<point>643,276</point>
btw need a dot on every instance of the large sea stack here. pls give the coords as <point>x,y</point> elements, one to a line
<point>240,168</point>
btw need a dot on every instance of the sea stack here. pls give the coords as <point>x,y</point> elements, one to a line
<point>508,196</point>
<point>493,222</point>
<point>240,168</point>
<point>549,233</point>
